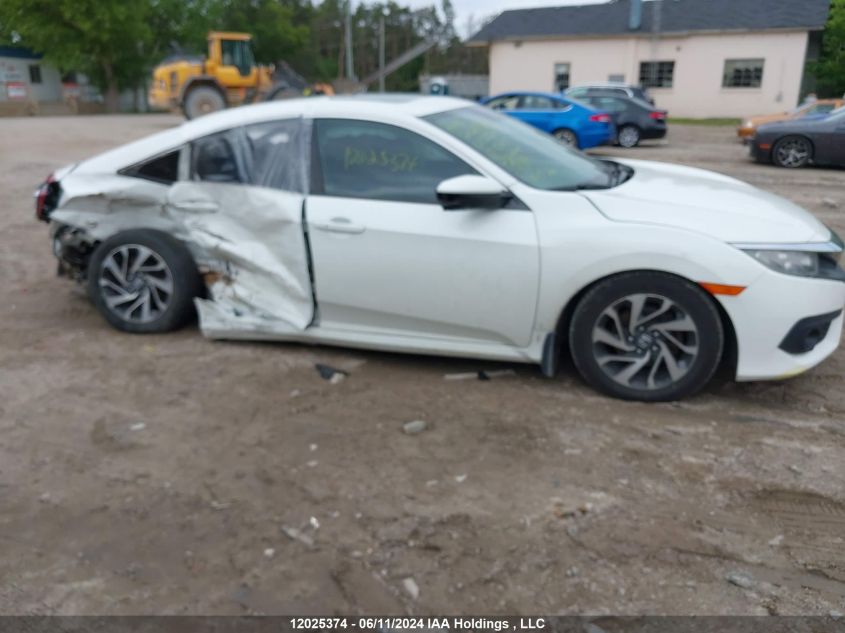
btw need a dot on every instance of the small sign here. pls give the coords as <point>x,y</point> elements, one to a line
<point>16,90</point>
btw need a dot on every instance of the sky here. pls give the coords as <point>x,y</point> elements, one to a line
<point>479,10</point>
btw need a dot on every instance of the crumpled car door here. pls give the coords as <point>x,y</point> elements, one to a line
<point>241,212</point>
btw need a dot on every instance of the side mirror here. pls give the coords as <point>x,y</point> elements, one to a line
<point>472,192</point>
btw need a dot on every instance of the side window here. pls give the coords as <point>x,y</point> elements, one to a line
<point>278,154</point>
<point>577,92</point>
<point>509,102</point>
<point>534,102</point>
<point>360,159</point>
<point>614,106</point>
<point>821,108</point>
<point>214,159</point>
<point>239,54</point>
<point>163,169</point>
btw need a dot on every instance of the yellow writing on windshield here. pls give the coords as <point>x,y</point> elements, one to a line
<point>394,161</point>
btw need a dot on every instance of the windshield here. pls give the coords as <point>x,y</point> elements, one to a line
<point>531,156</point>
<point>837,113</point>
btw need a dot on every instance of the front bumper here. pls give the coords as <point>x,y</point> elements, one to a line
<point>769,310</point>
<point>159,99</point>
<point>745,133</point>
<point>760,151</point>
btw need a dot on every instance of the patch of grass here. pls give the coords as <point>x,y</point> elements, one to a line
<point>710,122</point>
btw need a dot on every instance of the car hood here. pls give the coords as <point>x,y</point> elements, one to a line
<point>702,201</point>
<point>803,123</point>
<point>760,119</point>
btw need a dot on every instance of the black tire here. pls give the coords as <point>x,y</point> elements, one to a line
<point>628,136</point>
<point>597,361</point>
<point>202,100</point>
<point>167,311</point>
<point>792,152</point>
<point>567,137</point>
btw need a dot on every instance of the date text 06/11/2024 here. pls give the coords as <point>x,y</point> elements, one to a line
<point>427,623</point>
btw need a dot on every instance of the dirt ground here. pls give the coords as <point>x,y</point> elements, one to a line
<point>172,474</point>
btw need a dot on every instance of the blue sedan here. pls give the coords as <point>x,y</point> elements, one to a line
<point>569,121</point>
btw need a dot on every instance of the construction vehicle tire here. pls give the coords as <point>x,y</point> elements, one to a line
<point>202,100</point>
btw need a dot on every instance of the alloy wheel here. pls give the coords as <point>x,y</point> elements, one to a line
<point>645,341</point>
<point>567,137</point>
<point>136,283</point>
<point>628,136</point>
<point>792,152</point>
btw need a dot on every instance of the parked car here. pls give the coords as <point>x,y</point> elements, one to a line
<point>570,122</point>
<point>748,127</point>
<point>609,90</point>
<point>431,225</point>
<point>814,139</point>
<point>635,119</point>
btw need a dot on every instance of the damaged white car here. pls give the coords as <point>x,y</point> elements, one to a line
<point>430,225</point>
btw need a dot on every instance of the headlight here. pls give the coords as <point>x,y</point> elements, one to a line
<point>788,262</point>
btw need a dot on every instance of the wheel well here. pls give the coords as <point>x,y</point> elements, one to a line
<point>727,364</point>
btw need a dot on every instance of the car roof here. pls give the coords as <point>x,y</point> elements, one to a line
<point>412,105</point>
<point>387,106</point>
<point>530,93</point>
<point>606,85</point>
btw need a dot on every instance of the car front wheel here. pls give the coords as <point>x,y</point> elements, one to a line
<point>646,336</point>
<point>143,281</point>
<point>792,151</point>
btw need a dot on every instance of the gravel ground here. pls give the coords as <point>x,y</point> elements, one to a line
<point>172,474</point>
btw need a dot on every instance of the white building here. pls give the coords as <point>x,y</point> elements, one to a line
<point>23,77</point>
<point>698,58</point>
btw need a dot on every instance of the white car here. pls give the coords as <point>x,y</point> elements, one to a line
<point>430,225</point>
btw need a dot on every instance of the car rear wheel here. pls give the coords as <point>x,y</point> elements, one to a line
<point>629,136</point>
<point>646,336</point>
<point>792,151</point>
<point>143,281</point>
<point>203,100</point>
<point>567,137</point>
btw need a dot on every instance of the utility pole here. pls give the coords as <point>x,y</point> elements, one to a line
<point>381,53</point>
<point>350,66</point>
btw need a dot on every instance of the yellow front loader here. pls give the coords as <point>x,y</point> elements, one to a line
<point>228,76</point>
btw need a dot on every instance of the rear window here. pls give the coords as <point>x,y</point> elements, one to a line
<point>163,169</point>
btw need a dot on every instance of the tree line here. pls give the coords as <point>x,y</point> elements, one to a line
<point>117,43</point>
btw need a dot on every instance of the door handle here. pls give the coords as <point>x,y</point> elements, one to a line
<point>340,225</point>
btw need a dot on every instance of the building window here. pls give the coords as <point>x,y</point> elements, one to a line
<point>561,77</point>
<point>743,73</point>
<point>657,74</point>
<point>35,74</point>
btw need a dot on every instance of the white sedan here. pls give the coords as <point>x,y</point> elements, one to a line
<point>430,225</point>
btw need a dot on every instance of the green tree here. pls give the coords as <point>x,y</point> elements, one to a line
<point>113,42</point>
<point>829,70</point>
<point>276,31</point>
<point>102,38</point>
